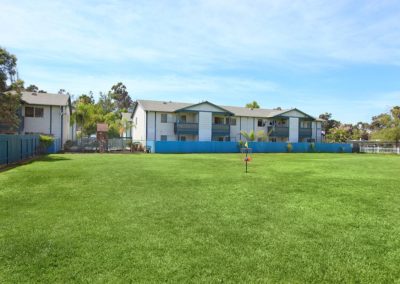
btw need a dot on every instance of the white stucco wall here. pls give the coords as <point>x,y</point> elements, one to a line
<point>165,128</point>
<point>139,124</point>
<point>205,120</point>
<point>293,129</point>
<point>51,123</point>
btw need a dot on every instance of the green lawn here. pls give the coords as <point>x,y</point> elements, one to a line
<point>200,218</point>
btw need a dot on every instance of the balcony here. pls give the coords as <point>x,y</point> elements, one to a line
<point>305,132</point>
<point>220,130</point>
<point>278,131</point>
<point>186,128</point>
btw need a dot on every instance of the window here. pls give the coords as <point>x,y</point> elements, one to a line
<point>305,124</point>
<point>260,123</point>
<point>29,112</point>
<point>163,137</point>
<point>38,112</point>
<point>34,111</point>
<point>164,118</point>
<point>182,138</point>
<point>182,119</point>
<point>218,120</point>
<point>233,121</point>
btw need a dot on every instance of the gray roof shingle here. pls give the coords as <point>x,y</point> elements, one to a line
<point>168,106</point>
<point>47,99</point>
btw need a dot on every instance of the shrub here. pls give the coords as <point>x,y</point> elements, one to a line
<point>289,147</point>
<point>68,144</point>
<point>312,147</point>
<point>45,141</point>
<point>241,144</point>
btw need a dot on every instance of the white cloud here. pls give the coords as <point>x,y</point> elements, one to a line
<point>210,49</point>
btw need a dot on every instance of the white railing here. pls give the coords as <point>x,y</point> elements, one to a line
<point>379,150</point>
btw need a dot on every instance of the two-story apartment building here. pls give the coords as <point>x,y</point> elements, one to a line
<point>172,121</point>
<point>44,113</point>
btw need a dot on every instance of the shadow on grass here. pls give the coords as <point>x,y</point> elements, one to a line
<point>45,158</point>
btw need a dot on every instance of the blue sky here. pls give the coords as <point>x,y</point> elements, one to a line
<point>338,56</point>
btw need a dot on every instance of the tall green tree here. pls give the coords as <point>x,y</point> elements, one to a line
<point>106,102</point>
<point>120,95</point>
<point>387,126</point>
<point>10,104</point>
<point>32,88</point>
<point>8,68</point>
<point>253,105</point>
<point>328,122</point>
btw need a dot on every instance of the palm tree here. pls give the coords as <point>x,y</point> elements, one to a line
<point>251,136</point>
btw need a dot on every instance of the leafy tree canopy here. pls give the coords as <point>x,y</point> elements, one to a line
<point>253,105</point>
<point>121,97</point>
<point>8,68</point>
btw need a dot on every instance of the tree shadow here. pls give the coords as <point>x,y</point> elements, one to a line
<point>45,158</point>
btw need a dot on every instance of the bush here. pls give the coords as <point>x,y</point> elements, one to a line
<point>289,147</point>
<point>45,141</point>
<point>241,144</point>
<point>68,144</point>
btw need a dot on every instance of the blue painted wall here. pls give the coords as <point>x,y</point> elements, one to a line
<point>258,147</point>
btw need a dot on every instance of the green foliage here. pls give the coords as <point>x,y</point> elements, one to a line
<point>253,105</point>
<point>8,68</point>
<point>241,144</point>
<point>46,141</point>
<point>339,134</point>
<point>106,102</point>
<point>312,147</point>
<point>10,104</point>
<point>68,144</point>
<point>249,136</point>
<point>328,122</point>
<point>121,97</point>
<point>388,126</point>
<point>32,88</point>
<point>289,147</point>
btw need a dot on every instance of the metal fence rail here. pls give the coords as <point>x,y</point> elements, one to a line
<point>91,144</point>
<point>380,150</point>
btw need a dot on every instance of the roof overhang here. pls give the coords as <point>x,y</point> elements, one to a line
<point>221,110</point>
<point>281,114</point>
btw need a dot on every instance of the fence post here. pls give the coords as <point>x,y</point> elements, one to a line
<point>7,158</point>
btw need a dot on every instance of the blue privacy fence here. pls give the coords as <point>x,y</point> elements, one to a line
<point>56,147</point>
<point>258,147</point>
<point>14,148</point>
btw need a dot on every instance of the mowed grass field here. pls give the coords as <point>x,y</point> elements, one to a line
<point>200,218</point>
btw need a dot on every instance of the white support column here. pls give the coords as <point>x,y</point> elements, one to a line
<point>293,129</point>
<point>205,126</point>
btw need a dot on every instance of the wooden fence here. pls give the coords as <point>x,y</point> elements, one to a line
<point>14,148</point>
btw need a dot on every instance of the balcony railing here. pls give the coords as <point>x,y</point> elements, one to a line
<point>305,132</point>
<point>220,129</point>
<point>186,128</point>
<point>278,131</point>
